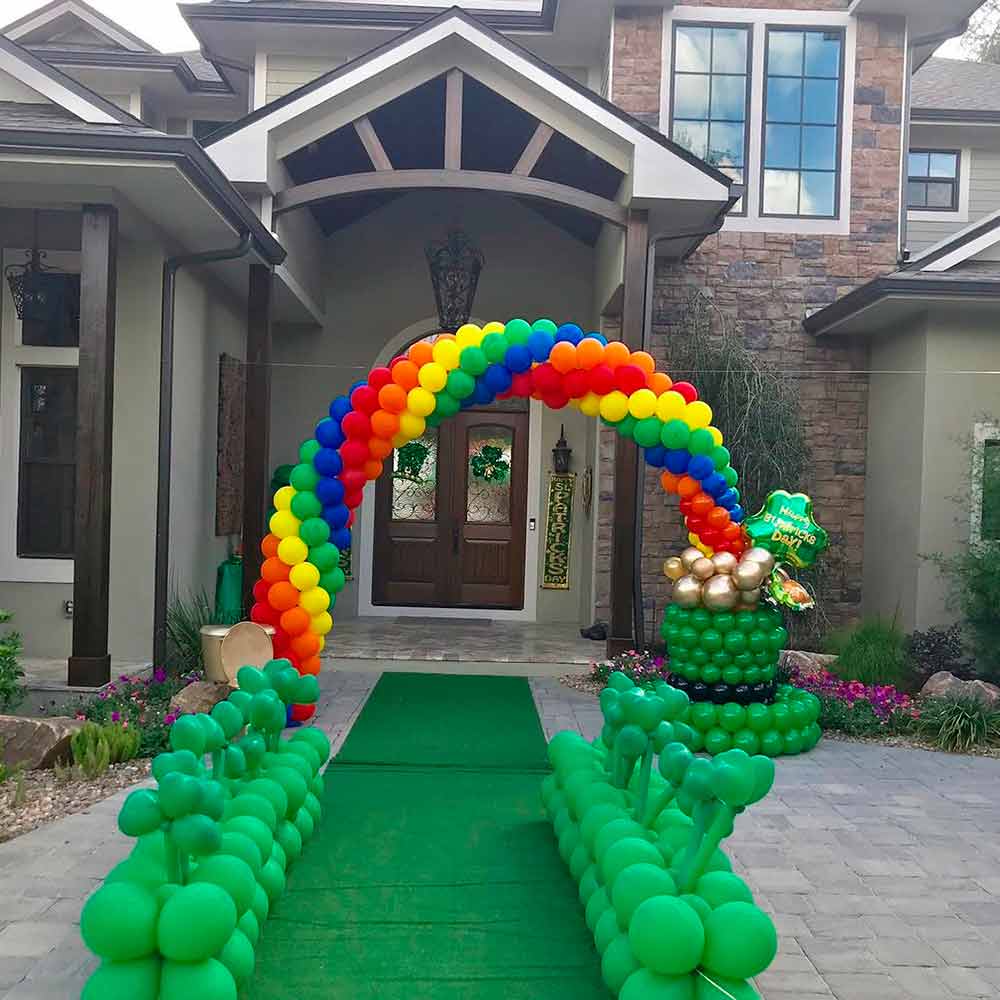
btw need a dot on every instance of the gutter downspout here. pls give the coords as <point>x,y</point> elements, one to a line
<point>162,560</point>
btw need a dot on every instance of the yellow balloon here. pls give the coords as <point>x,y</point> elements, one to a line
<point>445,353</point>
<point>697,414</point>
<point>433,376</point>
<point>493,327</point>
<point>642,403</point>
<point>420,401</point>
<point>303,576</point>
<point>284,524</point>
<point>468,336</point>
<point>411,425</point>
<point>283,498</point>
<point>315,601</point>
<point>591,404</point>
<point>292,550</point>
<point>614,406</point>
<point>670,406</point>
<point>716,435</point>
<point>321,624</point>
<point>700,545</point>
<point>398,440</point>
<point>322,639</point>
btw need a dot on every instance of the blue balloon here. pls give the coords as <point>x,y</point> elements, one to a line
<point>677,461</point>
<point>339,408</point>
<point>729,499</point>
<point>594,335</point>
<point>482,395</point>
<point>330,491</point>
<point>341,538</point>
<point>714,485</point>
<point>497,378</point>
<point>327,462</point>
<point>736,514</point>
<point>700,466</point>
<point>539,342</point>
<point>569,332</point>
<point>656,456</point>
<point>357,385</point>
<point>518,358</point>
<point>329,434</point>
<point>336,516</point>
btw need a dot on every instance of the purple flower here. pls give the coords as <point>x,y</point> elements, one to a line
<point>170,718</point>
<point>159,675</point>
<point>116,716</point>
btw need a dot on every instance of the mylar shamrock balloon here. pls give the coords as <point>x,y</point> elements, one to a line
<point>786,528</point>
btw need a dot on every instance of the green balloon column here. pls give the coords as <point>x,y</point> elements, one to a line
<point>640,821</point>
<point>233,805</point>
<point>725,633</point>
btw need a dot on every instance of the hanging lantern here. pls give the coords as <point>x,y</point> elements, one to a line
<point>34,294</point>
<point>561,453</point>
<point>455,264</point>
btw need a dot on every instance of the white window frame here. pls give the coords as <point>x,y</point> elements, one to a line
<point>758,21</point>
<point>964,186</point>
<point>14,356</point>
<point>981,433</point>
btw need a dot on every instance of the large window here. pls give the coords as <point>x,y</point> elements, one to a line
<point>932,177</point>
<point>985,493</point>
<point>710,89</point>
<point>802,123</point>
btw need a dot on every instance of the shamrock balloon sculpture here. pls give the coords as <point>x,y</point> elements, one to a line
<point>181,917</point>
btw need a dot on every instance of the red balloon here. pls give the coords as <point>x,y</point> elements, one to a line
<point>555,400</point>
<point>365,399</point>
<point>602,380</point>
<point>701,504</point>
<point>546,378</point>
<point>356,424</point>
<point>292,658</point>
<point>280,639</point>
<point>718,518</point>
<point>576,384</point>
<point>353,500</point>
<point>379,377</point>
<point>260,589</point>
<point>372,468</point>
<point>685,507</point>
<point>353,480</point>
<point>722,547</point>
<point>732,532</point>
<point>710,537</point>
<point>630,378</point>
<point>522,384</point>
<point>395,361</point>
<point>687,390</point>
<point>354,453</point>
<point>301,713</point>
<point>695,524</point>
<point>350,519</point>
<point>263,614</point>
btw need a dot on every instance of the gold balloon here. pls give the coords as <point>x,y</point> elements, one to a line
<point>725,562</point>
<point>749,575</point>
<point>673,568</point>
<point>687,592</point>
<point>690,556</point>
<point>759,555</point>
<point>749,598</point>
<point>720,594</point>
<point>704,569</point>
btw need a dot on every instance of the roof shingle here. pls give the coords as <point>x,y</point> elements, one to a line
<point>957,85</point>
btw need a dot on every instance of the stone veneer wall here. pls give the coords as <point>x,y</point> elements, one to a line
<point>767,283</point>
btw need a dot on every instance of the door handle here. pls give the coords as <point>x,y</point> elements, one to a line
<point>454,538</point>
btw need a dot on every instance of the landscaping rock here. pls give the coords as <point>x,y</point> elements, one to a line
<point>945,684</point>
<point>805,662</point>
<point>36,743</point>
<point>201,696</point>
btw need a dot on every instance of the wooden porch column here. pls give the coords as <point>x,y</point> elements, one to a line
<point>256,425</point>
<point>90,661</point>
<point>627,502</point>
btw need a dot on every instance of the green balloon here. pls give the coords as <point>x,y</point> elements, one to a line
<point>317,786</point>
<point>118,922</point>
<point>229,718</point>
<point>179,793</point>
<point>140,813</point>
<point>647,432</point>
<point>617,829</point>
<point>596,905</point>
<point>723,988</point>
<point>278,855</point>
<point>234,763</point>
<point>299,749</point>
<point>473,361</point>
<point>248,804</point>
<point>249,925</point>
<point>314,532</point>
<point>272,880</point>
<point>304,477</point>
<point>306,693</point>
<point>313,807</point>
<point>187,734</point>
<point>292,784</point>
<point>747,741</point>
<point>324,556</point>
<point>207,980</point>
<point>306,825</point>
<point>636,884</point>
<point>253,747</point>
<point>195,923</point>
<point>667,936</point>
<point>675,434</point>
<point>261,906</point>
<point>239,845</point>
<point>717,888</point>
<point>241,700</point>
<point>238,957</point>
<point>211,799</point>
<point>286,682</point>
<point>595,819</point>
<point>624,853</point>
<point>717,740</point>
<point>254,828</point>
<point>447,405</point>
<point>196,834</point>
<point>139,870</point>
<point>697,904</point>
<point>460,384</point>
<point>740,941</point>
<point>618,963</point>
<point>306,505</point>
<point>252,680</point>
<point>495,347</point>
<point>231,874</point>
<point>135,980</point>
<point>290,839</point>
<point>644,984</point>
<point>517,331</point>
<point>588,884</point>
<point>333,582</point>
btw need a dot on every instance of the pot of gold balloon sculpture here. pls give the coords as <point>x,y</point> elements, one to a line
<point>725,633</point>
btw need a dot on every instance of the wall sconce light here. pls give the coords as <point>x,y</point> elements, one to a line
<point>561,453</point>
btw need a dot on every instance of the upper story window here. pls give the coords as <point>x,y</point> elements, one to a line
<point>802,123</point>
<point>932,176</point>
<point>711,94</point>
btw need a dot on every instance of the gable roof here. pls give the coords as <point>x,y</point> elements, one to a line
<point>59,13</point>
<point>956,89</point>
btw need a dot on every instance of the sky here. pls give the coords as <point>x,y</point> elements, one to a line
<point>157,22</point>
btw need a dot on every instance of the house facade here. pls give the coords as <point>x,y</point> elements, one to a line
<point>604,160</point>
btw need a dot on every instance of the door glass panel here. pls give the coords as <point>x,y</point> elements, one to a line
<point>414,479</point>
<point>487,498</point>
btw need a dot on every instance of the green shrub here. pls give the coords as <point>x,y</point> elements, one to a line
<point>95,747</point>
<point>11,674</point>
<point>874,653</point>
<point>185,618</point>
<point>959,723</point>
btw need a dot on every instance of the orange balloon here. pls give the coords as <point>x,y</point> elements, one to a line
<point>305,645</point>
<point>669,481</point>
<point>310,666</point>
<point>589,353</point>
<point>562,357</point>
<point>269,546</point>
<point>372,468</point>
<point>384,423</point>
<point>718,518</point>
<point>404,374</point>
<point>659,382</point>
<point>295,621</point>
<point>688,486</point>
<point>283,596</point>
<point>274,570</point>
<point>420,353</point>
<point>379,448</point>
<point>644,361</point>
<point>616,353</point>
<point>392,397</point>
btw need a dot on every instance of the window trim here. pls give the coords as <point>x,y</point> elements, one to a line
<point>955,182</point>
<point>748,104</point>
<point>14,356</point>
<point>841,89</point>
<point>982,433</point>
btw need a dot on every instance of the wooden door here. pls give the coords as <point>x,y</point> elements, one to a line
<point>450,515</point>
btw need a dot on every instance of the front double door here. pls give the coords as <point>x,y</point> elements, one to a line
<point>450,515</point>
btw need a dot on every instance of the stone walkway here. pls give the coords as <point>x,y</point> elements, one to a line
<point>881,867</point>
